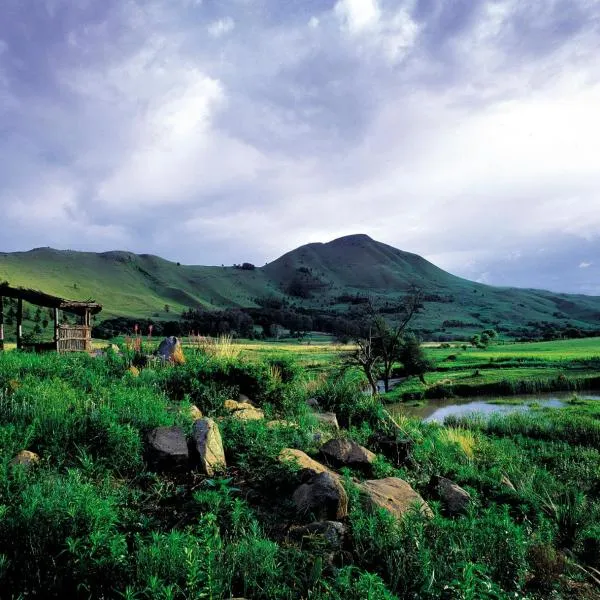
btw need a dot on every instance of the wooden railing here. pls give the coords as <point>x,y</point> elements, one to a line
<point>74,338</point>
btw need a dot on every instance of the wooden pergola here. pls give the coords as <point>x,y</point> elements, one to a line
<point>67,338</point>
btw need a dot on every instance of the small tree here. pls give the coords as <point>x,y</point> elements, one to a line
<point>413,358</point>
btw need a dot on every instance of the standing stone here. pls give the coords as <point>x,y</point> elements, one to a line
<point>346,453</point>
<point>329,419</point>
<point>323,496</point>
<point>396,496</point>
<point>170,350</point>
<point>168,449</point>
<point>209,445</point>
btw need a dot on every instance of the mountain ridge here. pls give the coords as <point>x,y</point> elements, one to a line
<point>319,276</point>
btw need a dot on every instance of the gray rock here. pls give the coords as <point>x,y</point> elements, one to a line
<point>209,446</point>
<point>170,350</point>
<point>323,496</point>
<point>346,453</point>
<point>329,419</point>
<point>168,449</point>
<point>313,403</point>
<point>332,532</point>
<point>455,500</point>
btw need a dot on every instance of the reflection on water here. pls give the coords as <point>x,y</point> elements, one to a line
<point>438,410</point>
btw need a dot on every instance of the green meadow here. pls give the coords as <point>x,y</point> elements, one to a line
<point>94,517</point>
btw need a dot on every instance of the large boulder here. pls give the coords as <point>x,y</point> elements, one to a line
<point>455,500</point>
<point>397,451</point>
<point>25,458</point>
<point>168,449</point>
<point>209,446</point>
<point>323,497</point>
<point>396,496</point>
<point>308,466</point>
<point>346,453</point>
<point>170,350</point>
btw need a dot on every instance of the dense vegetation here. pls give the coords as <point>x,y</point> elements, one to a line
<point>92,519</point>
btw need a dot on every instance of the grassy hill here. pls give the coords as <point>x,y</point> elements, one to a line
<point>316,276</point>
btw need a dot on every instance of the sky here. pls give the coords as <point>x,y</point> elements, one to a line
<point>224,131</point>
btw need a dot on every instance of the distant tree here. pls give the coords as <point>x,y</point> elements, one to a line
<point>45,323</point>
<point>476,340</point>
<point>37,317</point>
<point>37,330</point>
<point>167,308</point>
<point>26,313</point>
<point>413,358</point>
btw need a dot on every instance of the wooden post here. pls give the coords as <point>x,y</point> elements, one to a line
<point>19,324</point>
<point>56,330</point>
<point>1,323</point>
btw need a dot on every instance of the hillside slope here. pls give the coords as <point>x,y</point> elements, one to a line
<point>321,277</point>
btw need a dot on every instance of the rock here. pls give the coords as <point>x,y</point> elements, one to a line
<point>308,466</point>
<point>397,451</point>
<point>332,532</point>
<point>346,453</point>
<point>195,413</point>
<point>243,410</point>
<point>323,496</point>
<point>454,499</point>
<point>170,350</point>
<point>281,423</point>
<point>168,449</point>
<point>395,495</point>
<point>328,418</point>
<point>313,403</point>
<point>244,398</point>
<point>133,371</point>
<point>209,446</point>
<point>25,458</point>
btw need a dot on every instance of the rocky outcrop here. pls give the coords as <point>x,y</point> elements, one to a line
<point>168,449</point>
<point>208,446</point>
<point>346,453</point>
<point>396,496</point>
<point>323,497</point>
<point>195,413</point>
<point>455,500</point>
<point>25,458</point>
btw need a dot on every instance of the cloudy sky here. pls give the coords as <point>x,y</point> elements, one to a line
<point>220,131</point>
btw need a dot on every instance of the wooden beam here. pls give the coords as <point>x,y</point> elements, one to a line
<point>56,330</point>
<point>19,324</point>
<point>1,323</point>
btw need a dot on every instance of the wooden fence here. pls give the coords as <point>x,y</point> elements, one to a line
<point>74,338</point>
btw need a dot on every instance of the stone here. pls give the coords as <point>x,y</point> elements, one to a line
<point>323,496</point>
<point>195,413</point>
<point>133,371</point>
<point>332,532</point>
<point>170,350</point>
<point>346,453</point>
<point>243,410</point>
<point>313,403</point>
<point>281,423</point>
<point>308,466</point>
<point>328,418</point>
<point>168,449</point>
<point>399,452</point>
<point>209,446</point>
<point>25,458</point>
<point>455,500</point>
<point>243,398</point>
<point>395,495</point>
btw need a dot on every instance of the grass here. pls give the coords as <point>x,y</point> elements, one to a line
<point>92,519</point>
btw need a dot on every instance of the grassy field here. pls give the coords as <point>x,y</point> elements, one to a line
<point>96,518</point>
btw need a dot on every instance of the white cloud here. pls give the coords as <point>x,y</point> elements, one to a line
<point>221,27</point>
<point>585,265</point>
<point>314,22</point>
<point>358,16</point>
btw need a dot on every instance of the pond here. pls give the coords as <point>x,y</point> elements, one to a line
<point>438,410</point>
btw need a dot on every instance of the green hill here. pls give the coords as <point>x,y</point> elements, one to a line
<point>324,277</point>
